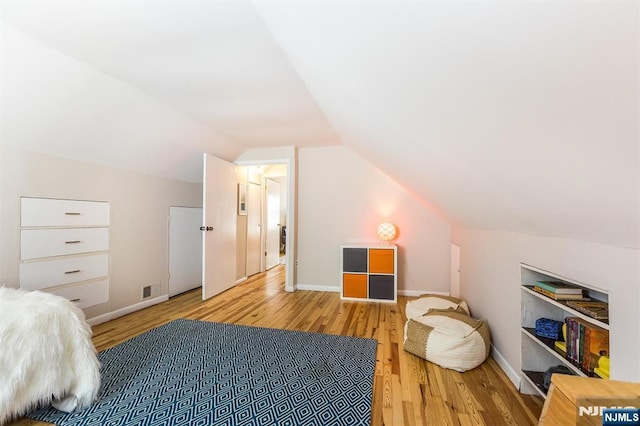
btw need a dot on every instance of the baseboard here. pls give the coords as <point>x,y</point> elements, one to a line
<point>421,293</point>
<point>127,310</point>
<point>241,280</point>
<point>506,367</point>
<point>336,289</point>
<point>312,287</point>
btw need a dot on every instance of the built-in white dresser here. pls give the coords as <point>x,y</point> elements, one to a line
<point>64,248</point>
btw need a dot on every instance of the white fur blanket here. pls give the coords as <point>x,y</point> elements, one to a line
<point>46,354</point>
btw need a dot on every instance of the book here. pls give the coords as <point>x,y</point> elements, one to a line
<point>598,347</point>
<point>570,339</point>
<point>593,308</point>
<point>559,287</point>
<point>581,333</point>
<point>594,343</point>
<point>555,296</point>
<point>576,336</point>
<point>587,355</point>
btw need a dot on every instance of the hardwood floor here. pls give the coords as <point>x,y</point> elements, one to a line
<point>407,389</point>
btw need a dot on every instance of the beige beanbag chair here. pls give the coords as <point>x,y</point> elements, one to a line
<point>448,337</point>
<point>419,307</point>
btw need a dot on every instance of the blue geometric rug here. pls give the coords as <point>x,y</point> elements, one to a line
<point>201,373</point>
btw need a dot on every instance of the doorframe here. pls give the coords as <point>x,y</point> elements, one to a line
<point>289,277</point>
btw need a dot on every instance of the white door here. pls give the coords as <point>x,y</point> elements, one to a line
<point>185,249</point>
<point>219,226</point>
<point>254,215</point>
<point>272,242</point>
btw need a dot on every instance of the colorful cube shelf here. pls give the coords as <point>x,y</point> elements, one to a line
<point>369,272</point>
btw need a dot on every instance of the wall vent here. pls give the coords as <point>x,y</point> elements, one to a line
<point>151,290</point>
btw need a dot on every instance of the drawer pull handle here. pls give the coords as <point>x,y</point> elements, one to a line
<point>73,272</point>
<point>72,242</point>
<point>75,300</point>
<point>72,213</point>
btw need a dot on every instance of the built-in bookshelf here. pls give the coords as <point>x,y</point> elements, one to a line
<point>538,353</point>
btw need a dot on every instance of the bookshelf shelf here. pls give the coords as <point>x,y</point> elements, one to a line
<point>563,305</point>
<point>536,381</point>
<point>548,345</point>
<point>538,353</point>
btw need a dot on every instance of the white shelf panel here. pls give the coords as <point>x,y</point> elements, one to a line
<point>533,385</point>
<point>557,355</point>
<point>566,308</point>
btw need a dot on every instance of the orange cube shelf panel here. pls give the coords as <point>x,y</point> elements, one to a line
<point>381,261</point>
<point>354,285</point>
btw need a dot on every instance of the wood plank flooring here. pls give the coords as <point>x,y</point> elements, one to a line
<point>407,389</point>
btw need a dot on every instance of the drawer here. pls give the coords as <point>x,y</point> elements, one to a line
<point>381,261</point>
<point>35,243</point>
<point>382,287</point>
<point>354,259</point>
<point>85,295</point>
<point>49,273</point>
<point>354,285</point>
<point>50,212</point>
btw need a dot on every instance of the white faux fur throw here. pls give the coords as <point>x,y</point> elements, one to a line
<point>46,354</point>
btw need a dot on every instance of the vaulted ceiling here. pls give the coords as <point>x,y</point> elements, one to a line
<point>519,116</point>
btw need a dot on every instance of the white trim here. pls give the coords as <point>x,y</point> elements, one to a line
<point>127,310</point>
<point>241,280</point>
<point>259,162</point>
<point>417,293</point>
<point>314,287</point>
<point>506,367</point>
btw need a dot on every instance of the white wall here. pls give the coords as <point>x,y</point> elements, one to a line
<point>342,198</point>
<point>139,213</point>
<point>490,280</point>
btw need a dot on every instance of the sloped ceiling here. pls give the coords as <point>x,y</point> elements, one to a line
<point>517,116</point>
<point>141,84</point>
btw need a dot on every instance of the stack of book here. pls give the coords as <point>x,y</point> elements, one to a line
<point>558,290</point>
<point>586,343</point>
<point>594,308</point>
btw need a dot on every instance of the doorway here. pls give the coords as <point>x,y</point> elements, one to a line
<point>267,217</point>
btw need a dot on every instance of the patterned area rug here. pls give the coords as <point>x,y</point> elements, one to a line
<point>201,373</point>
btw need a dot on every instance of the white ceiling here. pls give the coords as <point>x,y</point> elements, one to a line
<point>511,115</point>
<point>213,62</point>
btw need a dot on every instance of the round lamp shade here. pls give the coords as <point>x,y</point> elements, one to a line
<point>386,231</point>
